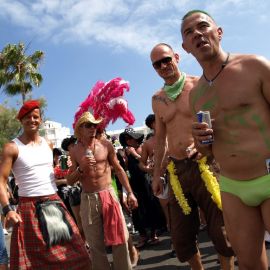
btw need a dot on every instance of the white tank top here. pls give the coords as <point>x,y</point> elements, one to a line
<point>33,169</point>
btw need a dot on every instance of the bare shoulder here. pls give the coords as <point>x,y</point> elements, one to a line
<point>158,95</point>
<point>256,65</point>
<point>146,144</point>
<point>191,79</point>
<point>159,99</point>
<point>10,150</point>
<point>191,82</point>
<point>106,144</point>
<point>251,59</point>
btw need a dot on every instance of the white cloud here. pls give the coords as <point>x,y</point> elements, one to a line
<point>121,24</point>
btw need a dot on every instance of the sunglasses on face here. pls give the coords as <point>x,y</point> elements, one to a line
<point>165,60</point>
<point>89,125</point>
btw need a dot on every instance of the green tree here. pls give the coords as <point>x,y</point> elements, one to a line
<point>18,71</point>
<point>9,125</point>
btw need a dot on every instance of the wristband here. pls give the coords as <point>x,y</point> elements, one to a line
<point>7,209</point>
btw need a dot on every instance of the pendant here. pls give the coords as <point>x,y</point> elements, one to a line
<point>210,83</point>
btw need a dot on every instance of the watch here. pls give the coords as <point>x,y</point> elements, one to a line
<point>7,209</point>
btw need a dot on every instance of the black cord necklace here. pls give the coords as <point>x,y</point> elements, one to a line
<point>210,82</point>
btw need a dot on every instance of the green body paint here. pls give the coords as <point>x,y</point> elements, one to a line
<point>237,116</point>
<point>210,104</point>
<point>262,128</point>
<point>198,94</point>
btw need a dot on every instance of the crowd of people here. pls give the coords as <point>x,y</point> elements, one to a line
<point>73,202</point>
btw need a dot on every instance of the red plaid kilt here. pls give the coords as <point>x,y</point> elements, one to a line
<point>28,250</point>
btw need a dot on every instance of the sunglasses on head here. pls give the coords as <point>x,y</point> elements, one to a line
<point>89,125</point>
<point>165,60</point>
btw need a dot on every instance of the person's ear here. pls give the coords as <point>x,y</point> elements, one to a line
<point>177,57</point>
<point>220,33</point>
<point>185,48</point>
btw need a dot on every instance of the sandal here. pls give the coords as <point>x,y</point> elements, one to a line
<point>142,242</point>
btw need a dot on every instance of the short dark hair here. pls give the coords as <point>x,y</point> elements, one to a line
<point>149,120</point>
<point>67,142</point>
<point>57,152</point>
<point>189,13</point>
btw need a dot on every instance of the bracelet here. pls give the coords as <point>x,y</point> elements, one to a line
<point>79,170</point>
<point>7,209</point>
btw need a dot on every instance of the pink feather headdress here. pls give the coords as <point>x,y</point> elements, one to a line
<point>107,100</point>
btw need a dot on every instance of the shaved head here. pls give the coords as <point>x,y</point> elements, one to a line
<point>161,45</point>
<point>191,12</point>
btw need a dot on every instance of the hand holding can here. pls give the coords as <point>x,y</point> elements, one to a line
<point>89,153</point>
<point>204,116</point>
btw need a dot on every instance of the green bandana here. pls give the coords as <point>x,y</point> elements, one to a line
<point>173,91</point>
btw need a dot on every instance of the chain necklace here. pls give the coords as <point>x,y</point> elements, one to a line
<point>210,82</point>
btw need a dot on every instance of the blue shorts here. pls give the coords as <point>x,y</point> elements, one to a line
<point>3,249</point>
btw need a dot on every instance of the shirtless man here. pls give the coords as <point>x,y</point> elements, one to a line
<point>236,90</point>
<point>174,121</point>
<point>147,163</point>
<point>100,209</point>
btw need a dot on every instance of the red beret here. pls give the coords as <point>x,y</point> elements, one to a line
<point>27,107</point>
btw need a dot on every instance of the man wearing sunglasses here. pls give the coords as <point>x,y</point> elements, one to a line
<point>174,127</point>
<point>102,218</point>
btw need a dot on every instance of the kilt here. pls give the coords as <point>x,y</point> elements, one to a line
<point>28,250</point>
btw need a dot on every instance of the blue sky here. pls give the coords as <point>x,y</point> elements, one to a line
<point>89,40</point>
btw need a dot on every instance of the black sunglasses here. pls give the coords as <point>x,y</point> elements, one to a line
<point>165,60</point>
<point>89,125</point>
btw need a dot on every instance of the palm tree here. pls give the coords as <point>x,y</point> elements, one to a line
<point>19,72</point>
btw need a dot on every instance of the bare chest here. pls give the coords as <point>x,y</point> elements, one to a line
<point>99,152</point>
<point>169,110</point>
<point>229,93</point>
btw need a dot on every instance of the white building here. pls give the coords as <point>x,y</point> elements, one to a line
<point>55,132</point>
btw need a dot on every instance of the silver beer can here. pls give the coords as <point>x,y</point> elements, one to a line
<point>204,116</point>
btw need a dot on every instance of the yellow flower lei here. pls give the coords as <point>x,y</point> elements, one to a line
<point>177,189</point>
<point>210,181</point>
<point>208,178</point>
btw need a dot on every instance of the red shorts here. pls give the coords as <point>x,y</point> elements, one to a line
<point>28,250</point>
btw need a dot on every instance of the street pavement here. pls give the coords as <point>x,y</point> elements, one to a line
<point>158,257</point>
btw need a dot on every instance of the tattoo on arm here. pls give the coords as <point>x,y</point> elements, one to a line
<point>161,99</point>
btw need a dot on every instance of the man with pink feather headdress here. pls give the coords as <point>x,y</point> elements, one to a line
<point>102,218</point>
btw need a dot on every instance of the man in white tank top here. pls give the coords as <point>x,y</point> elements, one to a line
<point>32,244</point>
